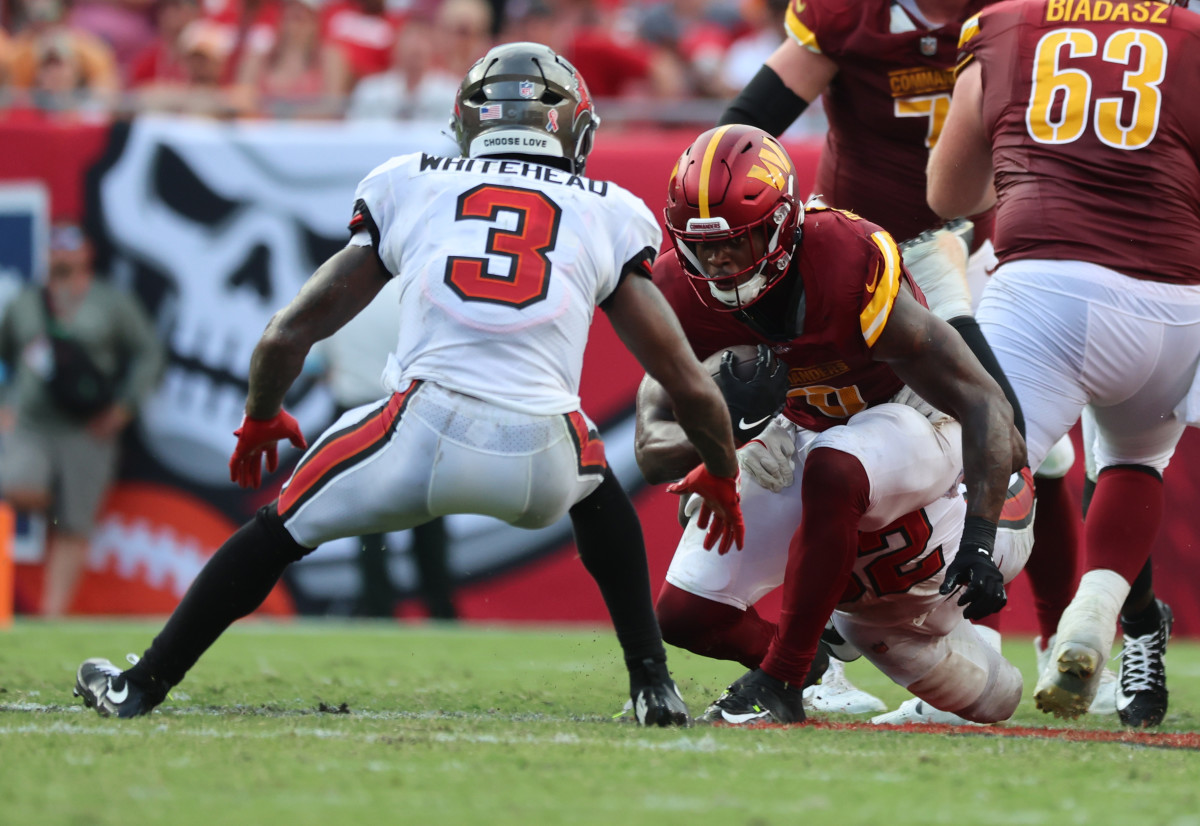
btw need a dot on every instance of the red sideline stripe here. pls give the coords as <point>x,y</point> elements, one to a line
<point>360,438</point>
<point>591,451</point>
<point>1184,740</point>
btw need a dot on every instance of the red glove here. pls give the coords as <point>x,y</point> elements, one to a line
<point>257,437</point>
<point>722,506</point>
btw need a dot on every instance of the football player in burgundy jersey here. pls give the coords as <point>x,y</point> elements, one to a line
<point>884,70</point>
<point>869,370</point>
<point>1082,119</point>
<point>503,255</point>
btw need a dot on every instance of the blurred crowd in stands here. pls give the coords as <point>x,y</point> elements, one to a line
<point>70,60</point>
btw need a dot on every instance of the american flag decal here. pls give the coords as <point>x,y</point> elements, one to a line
<point>492,112</point>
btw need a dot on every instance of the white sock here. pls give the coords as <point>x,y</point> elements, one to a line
<point>1091,618</point>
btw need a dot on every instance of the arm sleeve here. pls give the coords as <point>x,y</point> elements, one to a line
<point>968,330</point>
<point>766,102</point>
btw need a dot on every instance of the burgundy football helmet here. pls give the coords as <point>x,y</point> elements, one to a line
<point>735,183</point>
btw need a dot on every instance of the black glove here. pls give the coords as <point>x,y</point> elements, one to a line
<point>973,567</point>
<point>753,401</point>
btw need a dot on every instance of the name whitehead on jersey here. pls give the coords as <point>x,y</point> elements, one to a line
<point>547,174</point>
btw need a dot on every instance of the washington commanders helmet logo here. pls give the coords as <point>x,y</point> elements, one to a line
<point>775,168</point>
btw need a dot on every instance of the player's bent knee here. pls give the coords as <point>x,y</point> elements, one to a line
<point>1058,461</point>
<point>275,535</point>
<point>688,621</point>
<point>999,702</point>
<point>979,692</point>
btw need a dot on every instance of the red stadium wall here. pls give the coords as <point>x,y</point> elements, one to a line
<point>553,587</point>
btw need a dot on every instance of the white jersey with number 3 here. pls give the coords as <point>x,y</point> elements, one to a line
<point>501,265</point>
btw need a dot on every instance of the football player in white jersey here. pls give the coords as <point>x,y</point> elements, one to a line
<point>502,257</point>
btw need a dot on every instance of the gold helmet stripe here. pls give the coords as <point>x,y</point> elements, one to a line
<point>710,151</point>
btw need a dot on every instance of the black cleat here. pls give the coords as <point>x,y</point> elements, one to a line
<point>820,663</point>
<point>837,646</point>
<point>105,688</point>
<point>1142,684</point>
<point>654,696</point>
<point>756,698</point>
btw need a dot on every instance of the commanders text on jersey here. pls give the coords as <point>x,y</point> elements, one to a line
<point>529,170</point>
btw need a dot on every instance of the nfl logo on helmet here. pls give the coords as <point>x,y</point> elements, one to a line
<point>525,89</point>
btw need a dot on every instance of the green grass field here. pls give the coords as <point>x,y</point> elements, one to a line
<point>349,723</point>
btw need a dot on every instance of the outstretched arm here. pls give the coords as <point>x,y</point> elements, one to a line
<point>931,358</point>
<point>336,292</point>
<point>649,328</point>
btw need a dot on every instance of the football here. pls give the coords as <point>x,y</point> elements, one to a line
<point>752,401</point>
<point>744,358</point>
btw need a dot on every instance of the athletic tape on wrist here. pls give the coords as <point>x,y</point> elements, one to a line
<point>979,533</point>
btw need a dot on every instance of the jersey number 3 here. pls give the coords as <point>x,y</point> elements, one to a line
<point>526,246</point>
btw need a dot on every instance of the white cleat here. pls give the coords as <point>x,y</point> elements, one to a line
<point>838,695</point>
<point>1071,680</point>
<point>916,710</point>
<point>1105,701</point>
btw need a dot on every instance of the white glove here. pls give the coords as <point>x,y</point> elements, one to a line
<point>770,460</point>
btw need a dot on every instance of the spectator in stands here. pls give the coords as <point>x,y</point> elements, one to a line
<point>6,57</point>
<point>127,26</point>
<point>415,87</point>
<point>615,61</point>
<point>463,31</point>
<point>207,48</point>
<point>250,26</point>
<point>534,21</point>
<point>692,34</point>
<point>162,60</point>
<point>764,33</point>
<point>46,34</point>
<point>299,75</point>
<point>60,445</point>
<point>363,33</point>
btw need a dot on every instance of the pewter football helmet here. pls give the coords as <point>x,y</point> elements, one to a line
<point>523,99</point>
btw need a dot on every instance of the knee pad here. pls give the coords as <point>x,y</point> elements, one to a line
<point>973,681</point>
<point>1058,461</point>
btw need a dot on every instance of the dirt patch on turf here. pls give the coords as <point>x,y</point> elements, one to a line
<point>1145,739</point>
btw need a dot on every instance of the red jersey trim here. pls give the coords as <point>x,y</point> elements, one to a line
<point>350,446</point>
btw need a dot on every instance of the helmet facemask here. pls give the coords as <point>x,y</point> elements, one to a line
<point>769,258</point>
<point>736,185</point>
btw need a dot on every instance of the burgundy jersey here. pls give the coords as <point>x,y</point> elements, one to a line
<point>886,104</point>
<point>851,272</point>
<point>1093,110</point>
